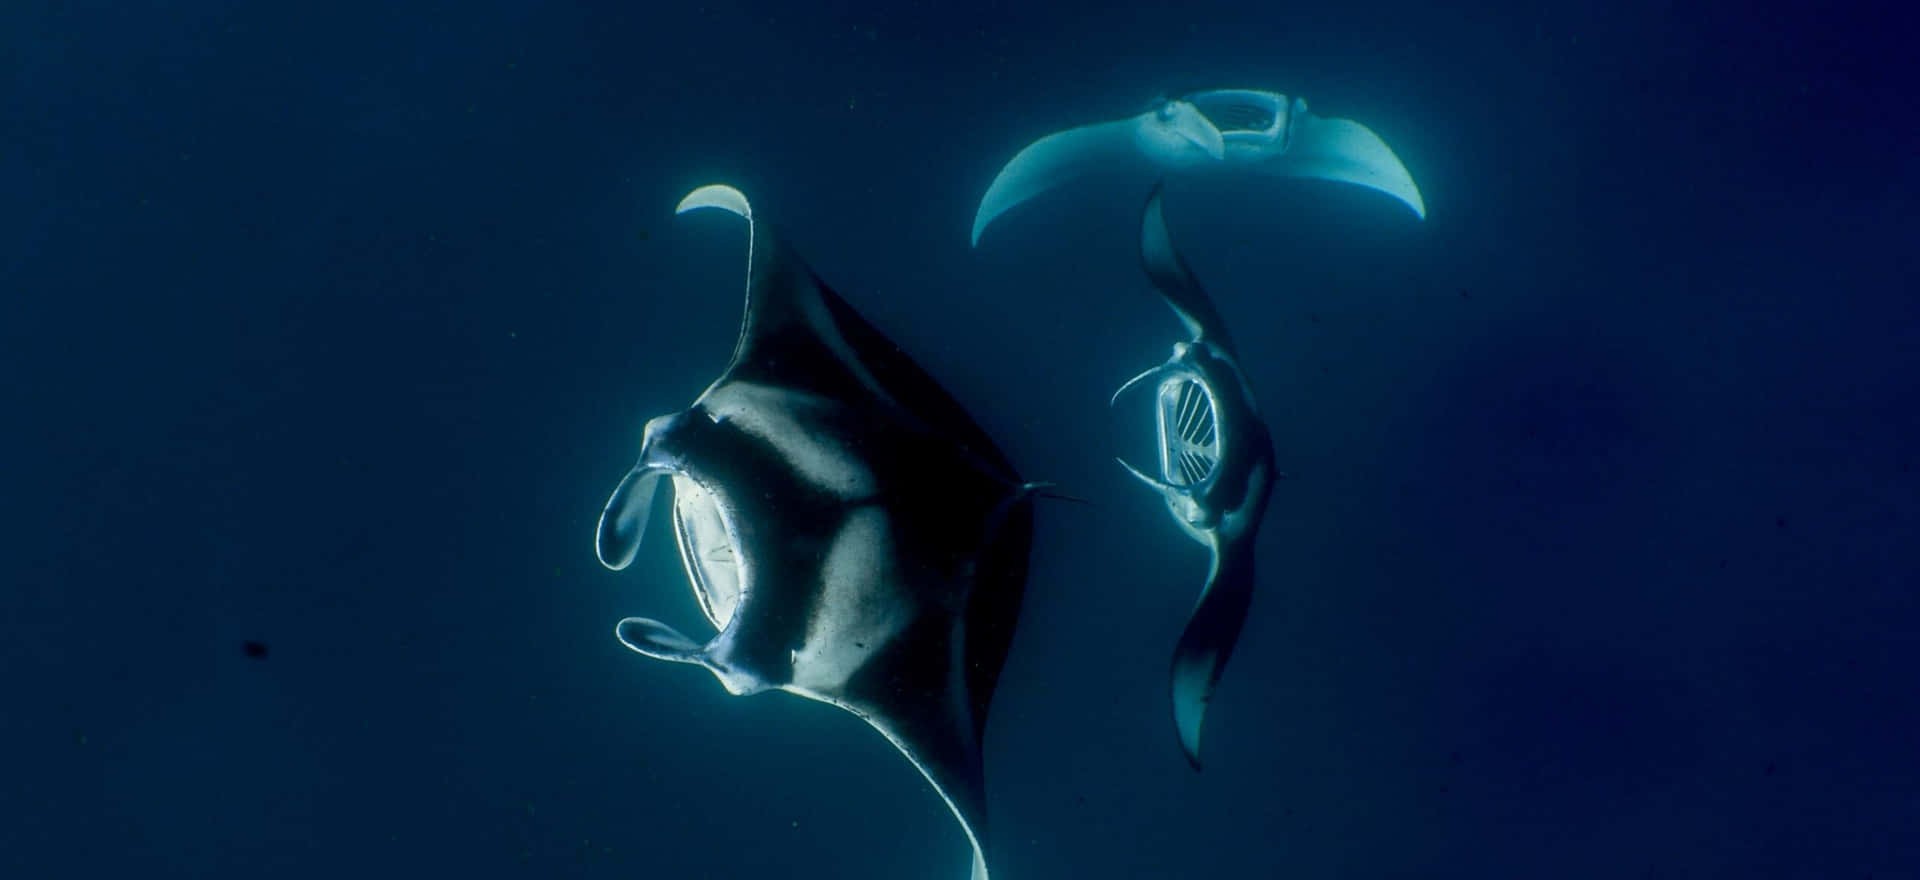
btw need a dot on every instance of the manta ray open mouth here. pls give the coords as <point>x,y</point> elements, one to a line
<point>1239,112</point>
<point>706,549</point>
<point>1189,440</point>
<point>701,527</point>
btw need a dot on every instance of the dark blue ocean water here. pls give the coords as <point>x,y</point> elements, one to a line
<point>330,327</point>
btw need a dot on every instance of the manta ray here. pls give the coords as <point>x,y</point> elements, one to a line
<point>1216,467</point>
<point>1218,130</point>
<point>1216,471</point>
<point>848,530</point>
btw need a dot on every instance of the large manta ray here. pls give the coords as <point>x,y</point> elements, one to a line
<point>1219,130</point>
<point>851,534</point>
<point>1216,471</point>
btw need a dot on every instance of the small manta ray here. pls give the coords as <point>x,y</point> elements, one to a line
<point>1218,129</point>
<point>852,535</point>
<point>1216,471</point>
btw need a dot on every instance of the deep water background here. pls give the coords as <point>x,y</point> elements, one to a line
<point>331,326</point>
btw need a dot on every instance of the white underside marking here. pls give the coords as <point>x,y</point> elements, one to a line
<point>788,421</point>
<point>860,605</point>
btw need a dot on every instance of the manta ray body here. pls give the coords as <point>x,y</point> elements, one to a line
<point>849,531</point>
<point>1216,471</point>
<point>1218,130</point>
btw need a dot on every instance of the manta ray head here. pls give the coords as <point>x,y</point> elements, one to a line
<point>1246,116</point>
<point>704,516</point>
<point>1177,133</point>
<point>1190,440</point>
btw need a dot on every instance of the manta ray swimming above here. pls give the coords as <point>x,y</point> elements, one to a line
<point>1204,132</point>
<point>849,531</point>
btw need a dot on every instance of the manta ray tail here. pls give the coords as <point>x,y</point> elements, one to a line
<point>1208,641</point>
<point>1038,489</point>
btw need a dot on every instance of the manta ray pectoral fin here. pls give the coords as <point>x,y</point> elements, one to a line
<point>1057,159</point>
<point>716,195</point>
<point>1208,640</point>
<point>624,520</point>
<point>1174,279</point>
<point>1345,151</point>
<point>1175,135</point>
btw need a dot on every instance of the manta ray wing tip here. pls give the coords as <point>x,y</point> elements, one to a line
<point>1189,712</point>
<point>716,195</point>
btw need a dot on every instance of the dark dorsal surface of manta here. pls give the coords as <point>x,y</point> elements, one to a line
<point>850,532</point>
<point>1216,471</point>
